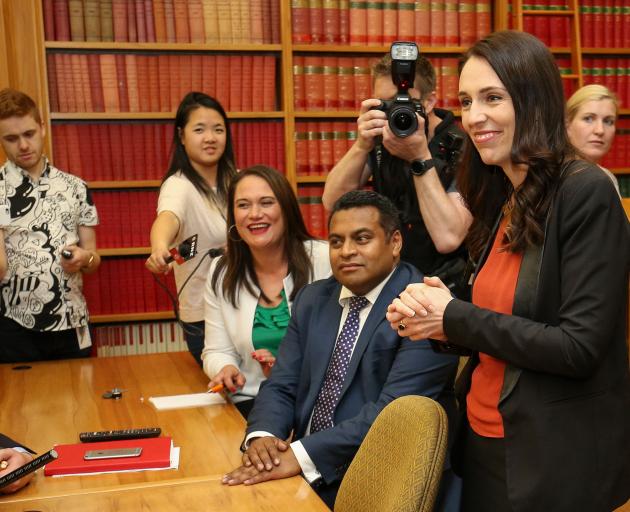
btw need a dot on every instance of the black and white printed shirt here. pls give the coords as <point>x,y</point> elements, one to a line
<point>45,217</point>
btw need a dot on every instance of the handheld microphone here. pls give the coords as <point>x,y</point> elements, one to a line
<point>184,251</point>
<point>27,468</point>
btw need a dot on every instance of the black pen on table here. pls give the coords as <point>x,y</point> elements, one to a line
<point>27,468</point>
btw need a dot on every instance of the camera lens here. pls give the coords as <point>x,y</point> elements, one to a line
<point>403,121</point>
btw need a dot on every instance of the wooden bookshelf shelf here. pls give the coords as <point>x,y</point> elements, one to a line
<point>323,48</point>
<point>160,47</point>
<point>606,51</point>
<point>548,12</point>
<point>310,179</point>
<point>620,170</point>
<point>108,116</point>
<point>132,317</point>
<point>326,114</point>
<point>124,184</point>
<point>124,251</point>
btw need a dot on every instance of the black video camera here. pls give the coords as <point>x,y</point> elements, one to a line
<point>401,111</point>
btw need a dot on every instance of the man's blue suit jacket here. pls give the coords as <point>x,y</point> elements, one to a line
<point>383,367</point>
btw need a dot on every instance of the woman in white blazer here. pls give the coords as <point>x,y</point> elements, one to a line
<point>270,257</point>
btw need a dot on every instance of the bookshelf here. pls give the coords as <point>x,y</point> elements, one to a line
<point>25,67</point>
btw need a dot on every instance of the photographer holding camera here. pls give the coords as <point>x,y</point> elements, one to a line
<point>411,148</point>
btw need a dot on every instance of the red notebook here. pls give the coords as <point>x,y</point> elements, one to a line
<point>156,453</point>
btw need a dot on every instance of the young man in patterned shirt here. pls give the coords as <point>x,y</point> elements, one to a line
<point>43,212</point>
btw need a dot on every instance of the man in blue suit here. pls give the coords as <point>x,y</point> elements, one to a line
<point>340,362</point>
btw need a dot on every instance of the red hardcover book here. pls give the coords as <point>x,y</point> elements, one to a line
<point>611,79</point>
<point>316,15</point>
<point>62,20</point>
<point>450,82</point>
<point>256,22</point>
<point>275,21</point>
<point>148,71</point>
<point>73,140</point>
<point>164,83</point>
<point>119,14</point>
<point>185,81</point>
<point>140,26</point>
<point>150,167</point>
<point>278,138</point>
<point>59,146</point>
<point>222,81</point>
<point>62,90</point>
<point>300,21</point>
<point>49,20</point>
<point>599,66</point>
<point>269,83</point>
<point>326,156</point>
<point>236,67</point>
<point>339,144</point>
<point>316,212</point>
<point>390,22</point>
<point>330,20</point>
<point>558,36</point>
<point>93,161</point>
<point>358,24</point>
<point>301,149</point>
<point>195,21</point>
<point>159,20</point>
<point>422,23</point>
<point>299,92</point>
<point>70,82</point>
<point>321,213</point>
<point>483,18</point>
<point>312,141</point>
<point>132,28</point>
<point>362,80</point>
<point>156,453</point>
<point>182,30</point>
<point>77,82</point>
<point>105,168</point>
<point>196,83</point>
<point>208,72</point>
<point>345,82</point>
<point>374,23</point>
<point>174,81</point>
<point>608,20</point>
<point>313,82</point>
<point>53,83</point>
<point>85,82</point>
<point>451,23</point>
<point>144,88</point>
<point>305,206</point>
<point>266,20</point>
<point>117,148</point>
<point>437,23</point>
<point>133,84</point>
<point>467,24</point>
<point>247,79</point>
<point>149,21</point>
<point>169,16</point>
<point>344,21</point>
<point>626,28</point>
<point>331,79</point>
<point>406,21</point>
<point>121,75</point>
<point>586,23</point>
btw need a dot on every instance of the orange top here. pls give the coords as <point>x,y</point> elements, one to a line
<point>494,290</point>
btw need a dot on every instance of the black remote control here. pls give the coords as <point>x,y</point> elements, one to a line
<point>117,435</point>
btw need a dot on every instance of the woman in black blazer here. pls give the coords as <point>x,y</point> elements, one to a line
<point>547,388</point>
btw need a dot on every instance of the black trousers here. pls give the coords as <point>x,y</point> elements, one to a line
<point>20,345</point>
<point>484,474</point>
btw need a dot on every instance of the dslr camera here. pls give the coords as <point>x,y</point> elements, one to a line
<point>401,111</point>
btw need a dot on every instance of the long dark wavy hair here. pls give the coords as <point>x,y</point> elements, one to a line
<point>226,168</point>
<point>238,263</point>
<point>529,73</point>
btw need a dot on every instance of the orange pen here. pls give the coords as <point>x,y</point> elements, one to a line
<point>216,389</point>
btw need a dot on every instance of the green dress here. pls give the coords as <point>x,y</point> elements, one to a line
<point>270,326</point>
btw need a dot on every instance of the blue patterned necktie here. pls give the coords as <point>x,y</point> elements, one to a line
<point>337,369</point>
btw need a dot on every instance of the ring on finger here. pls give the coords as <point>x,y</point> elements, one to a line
<point>401,326</point>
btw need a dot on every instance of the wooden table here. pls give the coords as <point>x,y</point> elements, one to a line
<point>52,402</point>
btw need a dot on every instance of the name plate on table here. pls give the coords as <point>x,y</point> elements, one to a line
<point>166,403</point>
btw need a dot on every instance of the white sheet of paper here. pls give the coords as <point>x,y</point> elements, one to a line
<point>165,403</point>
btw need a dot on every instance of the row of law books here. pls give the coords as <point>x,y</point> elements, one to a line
<point>319,145</point>
<point>329,83</point>
<point>613,72</point>
<point>605,23</point>
<point>435,23</point>
<point>141,82</point>
<point>124,285</point>
<point>554,31</point>
<point>313,211</point>
<point>163,21</point>
<point>619,154</point>
<point>125,218</point>
<point>140,150</point>
<point>137,338</point>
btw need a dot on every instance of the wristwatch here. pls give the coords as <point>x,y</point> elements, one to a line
<point>419,167</point>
